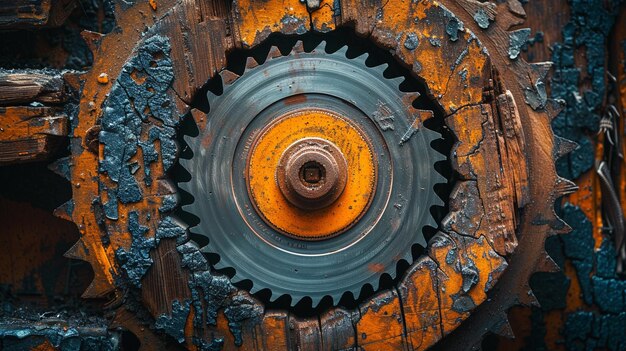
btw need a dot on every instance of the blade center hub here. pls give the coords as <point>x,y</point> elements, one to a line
<point>312,173</point>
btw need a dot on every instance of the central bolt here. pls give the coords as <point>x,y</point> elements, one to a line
<point>312,173</point>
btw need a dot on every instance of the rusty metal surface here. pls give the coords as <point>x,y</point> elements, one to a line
<point>491,242</point>
<point>264,172</point>
<point>460,77</point>
<point>312,173</point>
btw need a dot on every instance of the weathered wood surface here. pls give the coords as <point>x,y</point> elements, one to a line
<point>485,110</point>
<point>32,121</point>
<point>28,87</point>
<point>25,14</point>
<point>30,133</point>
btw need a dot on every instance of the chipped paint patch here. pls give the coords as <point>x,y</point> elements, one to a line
<point>481,18</point>
<point>517,39</point>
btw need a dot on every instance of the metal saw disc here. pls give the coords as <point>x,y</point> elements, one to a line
<point>376,240</point>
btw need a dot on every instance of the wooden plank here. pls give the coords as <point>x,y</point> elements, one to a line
<point>304,334</point>
<point>338,331</point>
<point>420,301</point>
<point>494,198</point>
<point>19,123</point>
<point>30,133</point>
<point>381,326</point>
<point>17,14</point>
<point>271,333</point>
<point>26,87</point>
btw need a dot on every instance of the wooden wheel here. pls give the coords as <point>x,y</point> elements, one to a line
<point>476,266</point>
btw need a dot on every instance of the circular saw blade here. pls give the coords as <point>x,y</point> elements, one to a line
<point>373,246</point>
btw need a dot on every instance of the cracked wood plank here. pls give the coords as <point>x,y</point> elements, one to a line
<point>381,326</point>
<point>420,301</point>
<point>18,14</point>
<point>338,331</point>
<point>491,211</point>
<point>200,40</point>
<point>304,334</point>
<point>270,333</point>
<point>27,87</point>
<point>30,133</point>
<point>469,269</point>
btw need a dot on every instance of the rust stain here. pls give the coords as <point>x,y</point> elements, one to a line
<point>376,267</point>
<point>265,157</point>
<point>295,99</point>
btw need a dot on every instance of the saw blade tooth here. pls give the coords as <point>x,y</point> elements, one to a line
<point>255,287</point>
<point>62,167</point>
<point>251,63</point>
<point>410,97</point>
<point>273,53</point>
<point>528,298</point>
<point>298,48</point>
<point>563,146</point>
<point>320,48</point>
<point>64,211</point>
<point>206,248</point>
<point>228,77</point>
<point>546,264</point>
<point>381,69</point>
<point>187,207</point>
<point>397,81</point>
<point>362,58</point>
<point>78,251</point>
<point>559,226</point>
<point>440,156</point>
<point>440,179</point>
<point>502,327</point>
<point>222,265</point>
<point>212,99</point>
<point>564,187</point>
<point>315,300</point>
<point>189,140</point>
<point>436,202</point>
<point>430,220</point>
<point>342,51</point>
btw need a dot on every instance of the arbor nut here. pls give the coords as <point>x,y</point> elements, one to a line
<point>312,173</point>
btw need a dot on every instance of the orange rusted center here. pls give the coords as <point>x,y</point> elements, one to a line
<point>267,162</point>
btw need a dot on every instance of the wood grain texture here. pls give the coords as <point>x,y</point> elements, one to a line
<point>18,14</point>
<point>30,130</point>
<point>25,87</point>
<point>440,290</point>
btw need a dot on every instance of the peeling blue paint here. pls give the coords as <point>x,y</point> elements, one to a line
<point>169,203</point>
<point>587,31</point>
<point>517,39</point>
<point>136,261</point>
<point>453,27</point>
<point>170,228</point>
<point>139,94</point>
<point>174,324</point>
<point>411,42</point>
<point>481,18</point>
<point>242,308</point>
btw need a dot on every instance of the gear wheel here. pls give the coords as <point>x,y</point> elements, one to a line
<point>331,110</point>
<point>494,103</point>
